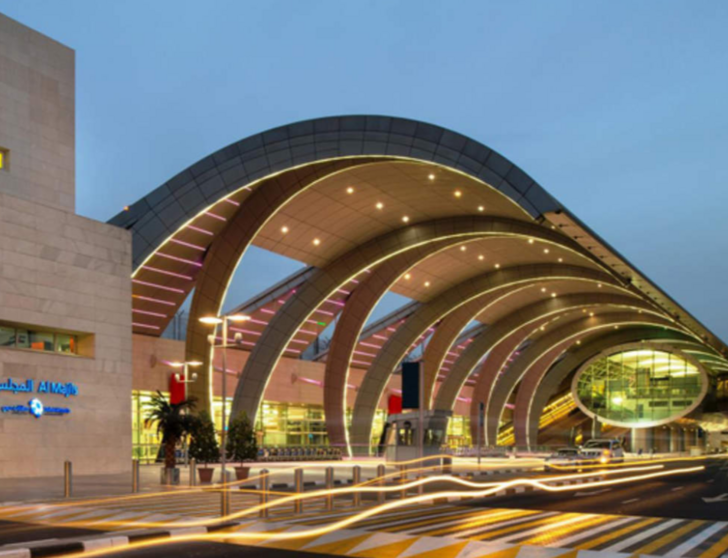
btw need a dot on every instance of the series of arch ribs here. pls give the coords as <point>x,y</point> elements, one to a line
<point>510,292</point>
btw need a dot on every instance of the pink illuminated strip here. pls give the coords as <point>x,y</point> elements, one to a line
<point>354,281</point>
<point>199,230</point>
<point>370,345</point>
<point>445,368</point>
<point>232,202</point>
<point>448,361</point>
<point>379,337</point>
<point>156,300</point>
<point>335,302</point>
<point>391,329</point>
<point>453,354</point>
<point>175,258</point>
<point>396,390</point>
<point>360,362</point>
<point>307,332</point>
<point>170,289</point>
<point>267,311</point>
<point>311,381</point>
<point>136,324</point>
<point>293,350</point>
<point>363,353</point>
<point>157,314</point>
<point>324,312</point>
<point>465,399</point>
<point>300,341</point>
<point>165,272</point>
<point>342,291</point>
<point>215,216</point>
<point>189,245</point>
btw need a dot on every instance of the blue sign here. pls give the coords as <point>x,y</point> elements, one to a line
<point>66,389</point>
<point>35,408</point>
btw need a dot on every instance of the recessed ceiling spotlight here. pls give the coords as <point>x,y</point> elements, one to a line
<point>350,190</point>
<point>543,289</point>
<point>578,342</point>
<point>561,260</point>
<point>553,295</point>
<point>284,229</point>
<point>407,276</point>
<point>530,241</point>
<point>405,219</point>
<point>591,314</point>
<point>380,205</point>
<point>463,248</point>
<point>599,285</point>
<point>316,241</point>
<point>497,266</point>
<point>481,208</point>
<point>545,250</point>
<point>427,283</point>
<point>457,194</point>
<point>481,257</point>
<point>431,176</point>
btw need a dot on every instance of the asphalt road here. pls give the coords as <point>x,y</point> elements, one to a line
<point>15,532</point>
<point>681,496</point>
<point>213,550</point>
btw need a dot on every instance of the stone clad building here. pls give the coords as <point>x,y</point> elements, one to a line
<point>65,295</point>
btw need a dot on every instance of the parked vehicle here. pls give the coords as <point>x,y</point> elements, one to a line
<point>603,451</point>
<point>563,459</point>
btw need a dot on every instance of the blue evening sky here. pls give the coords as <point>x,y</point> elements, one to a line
<point>617,108</point>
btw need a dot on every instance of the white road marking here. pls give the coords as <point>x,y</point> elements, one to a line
<point>642,535</point>
<point>590,532</point>
<point>677,488</point>
<point>592,493</point>
<point>691,543</point>
<point>631,500</point>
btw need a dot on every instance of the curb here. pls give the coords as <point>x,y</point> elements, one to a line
<point>45,549</point>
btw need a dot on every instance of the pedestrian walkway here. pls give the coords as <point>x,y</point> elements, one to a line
<point>416,531</point>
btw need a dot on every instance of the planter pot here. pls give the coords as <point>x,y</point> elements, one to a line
<point>242,473</point>
<point>205,475</point>
<point>169,476</point>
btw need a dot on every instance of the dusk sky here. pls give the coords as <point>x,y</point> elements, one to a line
<point>618,109</point>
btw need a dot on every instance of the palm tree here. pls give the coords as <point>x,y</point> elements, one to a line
<point>173,423</point>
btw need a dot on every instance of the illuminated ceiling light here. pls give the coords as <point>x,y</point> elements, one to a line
<point>578,341</point>
<point>545,250</point>
<point>481,257</point>
<point>431,176</point>
<point>497,266</point>
<point>463,248</point>
<point>126,208</point>
<point>284,230</point>
<point>561,260</point>
<point>599,285</point>
<point>407,276</point>
<point>239,318</point>
<point>543,328</point>
<point>210,320</point>
<point>543,289</point>
<point>405,219</point>
<point>316,241</point>
<point>427,283</point>
<point>350,190</point>
<point>616,327</point>
<point>583,310</point>
<point>591,314</point>
<point>481,208</point>
<point>553,295</point>
<point>380,205</point>
<point>530,240</point>
<point>457,194</point>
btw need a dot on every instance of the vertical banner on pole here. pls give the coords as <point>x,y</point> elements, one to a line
<point>410,385</point>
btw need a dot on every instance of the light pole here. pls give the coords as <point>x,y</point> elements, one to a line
<point>223,320</point>
<point>185,380</point>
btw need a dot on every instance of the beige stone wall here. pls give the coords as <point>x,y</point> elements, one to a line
<point>58,272</point>
<point>37,116</point>
<point>288,383</point>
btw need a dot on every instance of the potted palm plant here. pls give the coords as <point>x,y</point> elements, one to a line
<point>174,422</point>
<point>241,445</point>
<point>204,447</point>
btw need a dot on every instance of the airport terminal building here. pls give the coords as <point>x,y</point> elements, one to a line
<point>515,306</point>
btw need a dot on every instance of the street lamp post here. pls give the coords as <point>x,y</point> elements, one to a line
<point>223,320</point>
<point>186,379</point>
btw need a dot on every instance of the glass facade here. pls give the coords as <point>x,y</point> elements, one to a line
<point>639,387</point>
<point>12,337</point>
<point>277,424</point>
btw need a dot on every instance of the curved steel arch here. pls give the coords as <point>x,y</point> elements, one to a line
<point>573,359</point>
<point>513,322</point>
<point>164,210</point>
<point>551,340</point>
<point>398,344</point>
<point>325,281</point>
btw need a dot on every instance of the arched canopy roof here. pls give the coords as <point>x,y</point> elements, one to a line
<point>320,191</point>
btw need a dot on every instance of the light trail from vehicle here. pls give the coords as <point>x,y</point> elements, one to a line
<point>364,514</point>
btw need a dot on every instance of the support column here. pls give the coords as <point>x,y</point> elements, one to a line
<point>675,439</point>
<point>642,440</point>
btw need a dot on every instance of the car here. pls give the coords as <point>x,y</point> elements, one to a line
<point>603,451</point>
<point>563,459</point>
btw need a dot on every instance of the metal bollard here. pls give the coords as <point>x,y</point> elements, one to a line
<point>329,487</point>
<point>447,465</point>
<point>67,479</point>
<point>356,479</point>
<point>193,472</point>
<point>225,502</point>
<point>134,476</point>
<point>381,472</point>
<point>403,479</point>
<point>298,482</point>
<point>264,487</point>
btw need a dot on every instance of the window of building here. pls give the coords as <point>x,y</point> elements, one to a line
<point>46,341</point>
<point>4,158</point>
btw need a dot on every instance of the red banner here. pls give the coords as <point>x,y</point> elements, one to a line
<point>176,390</point>
<point>395,404</point>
